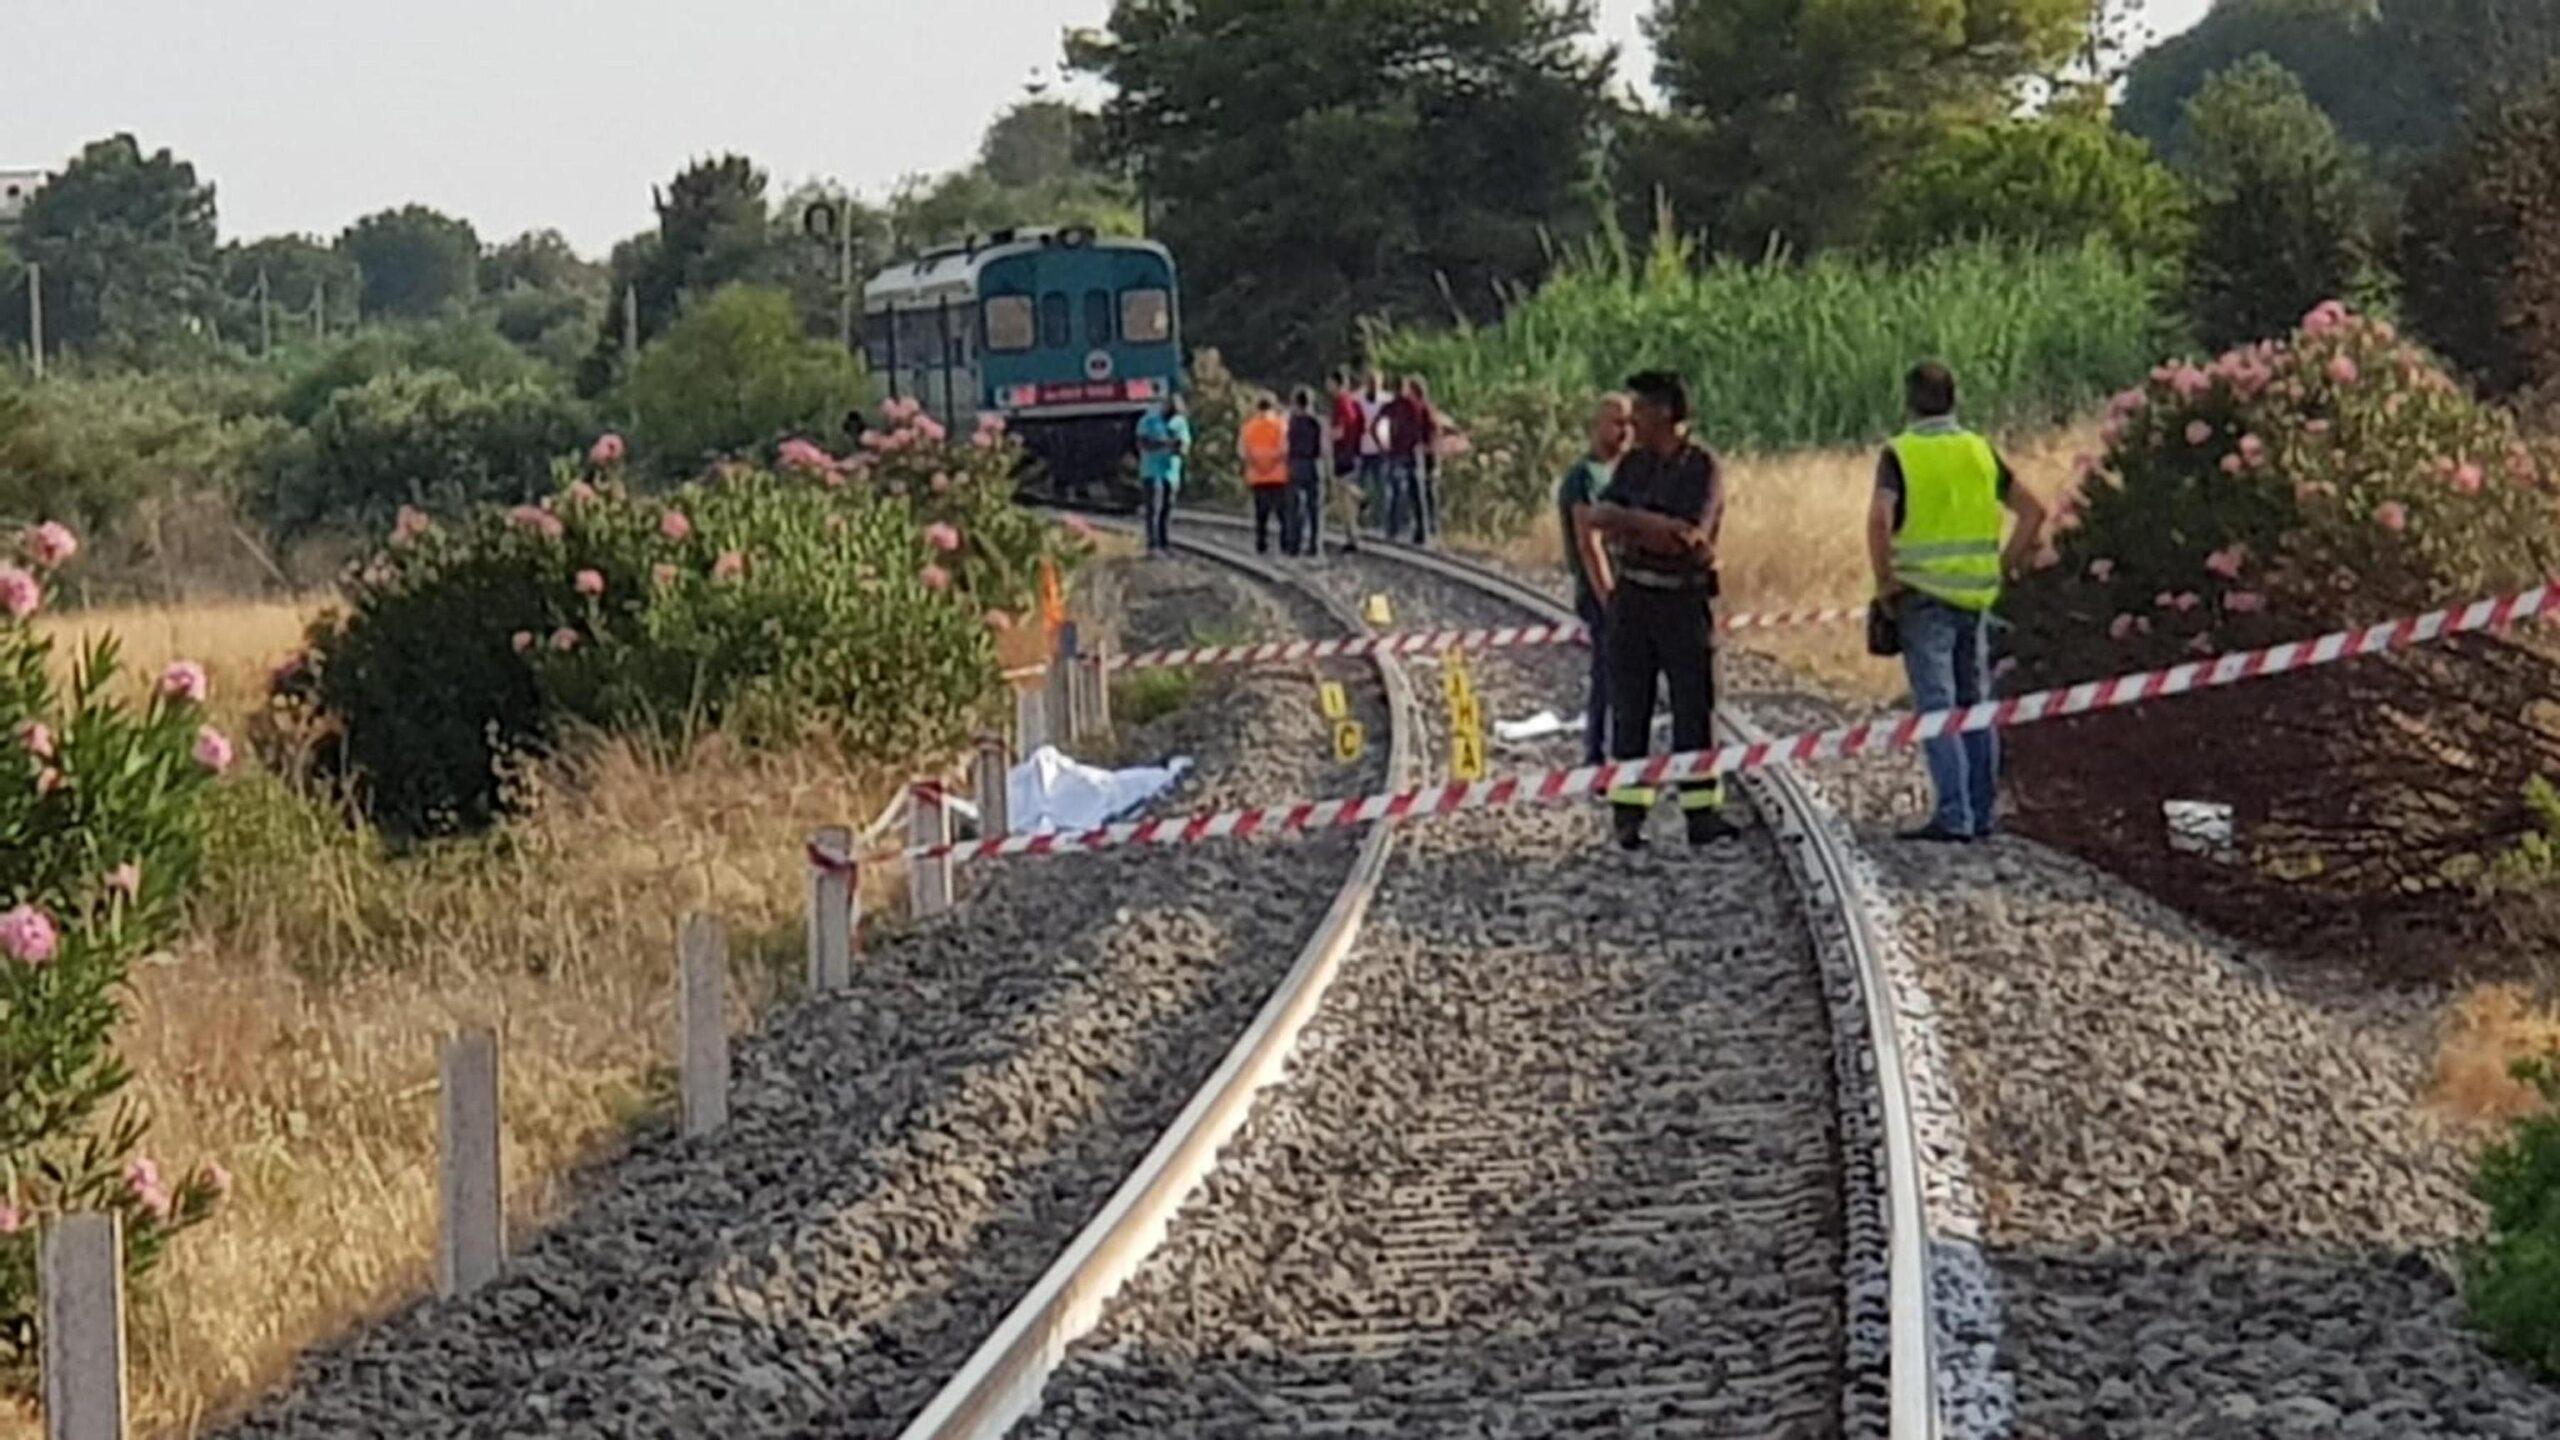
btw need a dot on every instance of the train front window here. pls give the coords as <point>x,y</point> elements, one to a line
<point>1097,318</point>
<point>1146,316</point>
<point>1053,321</point>
<point>1009,323</point>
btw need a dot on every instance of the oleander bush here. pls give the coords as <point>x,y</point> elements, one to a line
<point>850,599</point>
<point>2334,478</point>
<point>100,836</point>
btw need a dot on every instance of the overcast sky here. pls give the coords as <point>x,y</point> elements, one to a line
<point>518,114</point>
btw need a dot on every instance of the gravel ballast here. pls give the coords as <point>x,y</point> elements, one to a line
<point>1557,1157</point>
<point>902,1161</point>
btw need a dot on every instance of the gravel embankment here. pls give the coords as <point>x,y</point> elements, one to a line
<point>2213,1201</point>
<point>903,1160</point>
<point>1557,1157</point>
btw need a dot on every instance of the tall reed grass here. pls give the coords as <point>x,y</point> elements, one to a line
<point>1781,354</point>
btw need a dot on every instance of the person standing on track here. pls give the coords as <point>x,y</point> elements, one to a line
<point>1263,445</point>
<point>1302,524</point>
<point>1588,560</point>
<point>1350,424</point>
<point>1660,513</point>
<point>1164,438</point>
<point>1409,433</point>
<point>1943,496</point>
<point>1374,482</point>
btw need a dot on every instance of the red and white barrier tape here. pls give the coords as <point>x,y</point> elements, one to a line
<point>1899,732</point>
<point>1433,642</point>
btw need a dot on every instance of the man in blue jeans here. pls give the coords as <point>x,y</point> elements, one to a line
<point>1943,497</point>
<point>1588,560</point>
<point>1164,439</point>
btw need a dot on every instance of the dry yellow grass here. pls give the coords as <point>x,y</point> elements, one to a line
<point>2491,1029</point>
<point>293,1036</point>
<point>238,642</point>
<point>1795,538</point>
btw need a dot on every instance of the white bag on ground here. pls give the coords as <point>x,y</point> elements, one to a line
<point>1049,791</point>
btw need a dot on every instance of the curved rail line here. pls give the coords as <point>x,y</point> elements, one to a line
<point>1004,1380</point>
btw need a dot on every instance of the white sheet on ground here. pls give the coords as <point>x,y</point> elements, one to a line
<point>1049,791</point>
<point>1536,727</point>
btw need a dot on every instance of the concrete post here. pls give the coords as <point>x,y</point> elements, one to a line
<point>702,1023</point>
<point>1065,721</point>
<point>994,775</point>
<point>80,1276</point>
<point>474,1238</point>
<point>832,900</point>
<point>928,823</point>
<point>1030,720</point>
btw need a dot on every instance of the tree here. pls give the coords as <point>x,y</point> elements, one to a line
<point>2396,76</point>
<point>416,262</point>
<point>1311,171</point>
<point>713,230</point>
<point>422,437</point>
<point>735,373</point>
<point>1784,115</point>
<point>538,260</point>
<point>2480,253</point>
<point>2054,182</point>
<point>2284,207</point>
<point>544,296</point>
<point>1037,141</point>
<point>300,275</point>
<point>127,245</point>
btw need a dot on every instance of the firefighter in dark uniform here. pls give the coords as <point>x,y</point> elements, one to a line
<point>1660,515</point>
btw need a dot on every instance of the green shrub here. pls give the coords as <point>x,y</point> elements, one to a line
<point>2337,478</point>
<point>100,834</point>
<point>2285,210</point>
<point>735,373</point>
<point>845,600</point>
<point>1780,354</point>
<point>2481,251</point>
<point>2513,1281</point>
<point>425,438</point>
<point>2054,183</point>
<point>90,449</point>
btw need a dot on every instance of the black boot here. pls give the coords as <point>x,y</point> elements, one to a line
<point>1709,827</point>
<point>1627,823</point>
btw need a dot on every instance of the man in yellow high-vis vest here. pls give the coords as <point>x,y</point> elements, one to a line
<point>1934,536</point>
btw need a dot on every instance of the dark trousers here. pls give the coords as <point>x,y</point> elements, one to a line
<point>1664,635</point>
<point>1270,504</point>
<point>1159,515</point>
<point>1303,520</point>
<point>1595,705</point>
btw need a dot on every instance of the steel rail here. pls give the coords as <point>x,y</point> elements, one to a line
<point>1002,1380</point>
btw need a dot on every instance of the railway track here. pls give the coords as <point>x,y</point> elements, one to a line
<point>1577,1146</point>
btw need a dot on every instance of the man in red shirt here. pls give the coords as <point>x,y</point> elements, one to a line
<point>1350,424</point>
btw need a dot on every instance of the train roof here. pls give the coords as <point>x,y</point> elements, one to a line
<point>951,272</point>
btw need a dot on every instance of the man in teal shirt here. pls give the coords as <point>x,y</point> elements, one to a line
<point>1164,438</point>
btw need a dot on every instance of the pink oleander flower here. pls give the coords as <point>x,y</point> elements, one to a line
<point>2391,515</point>
<point>217,1180</point>
<point>729,566</point>
<point>2252,449</point>
<point>142,1177</point>
<point>608,450</point>
<point>662,575</point>
<point>900,408</point>
<point>580,492</point>
<point>1079,527</point>
<point>20,595</point>
<point>2163,600</point>
<point>12,1219</point>
<point>2129,402</point>
<point>798,454</point>
<point>48,780</point>
<point>523,641</point>
<point>998,620</point>
<point>2122,627</point>
<point>126,879</point>
<point>564,639</point>
<point>941,482</point>
<point>2327,316</point>
<point>185,680</point>
<point>2315,427</point>
<point>2226,562</point>
<point>2190,382</point>
<point>675,525</point>
<point>213,750</point>
<point>2231,465</point>
<point>2111,434</point>
<point>51,544</point>
<point>2468,478</point>
<point>941,536</point>
<point>142,1171</point>
<point>931,430</point>
<point>935,577</point>
<point>990,422</point>
<point>2047,556</point>
<point>2084,465</point>
<point>590,583</point>
<point>2102,570</point>
<point>409,526</point>
<point>538,520</point>
<point>37,738</point>
<point>2198,432</point>
<point>2244,602</point>
<point>2343,370</point>
<point>2186,601</point>
<point>27,935</point>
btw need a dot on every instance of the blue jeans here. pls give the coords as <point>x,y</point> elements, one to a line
<point>1947,653</point>
<point>1375,483</point>
<point>1159,515</point>
<point>1595,708</point>
<point>1404,500</point>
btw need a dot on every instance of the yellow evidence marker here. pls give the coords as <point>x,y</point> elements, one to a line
<point>1336,705</point>
<point>1377,613</point>
<point>1466,756</point>
<point>1350,741</point>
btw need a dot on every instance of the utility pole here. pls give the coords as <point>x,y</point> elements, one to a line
<point>266,322</point>
<point>630,327</point>
<point>319,309</point>
<point>844,272</point>
<point>35,316</point>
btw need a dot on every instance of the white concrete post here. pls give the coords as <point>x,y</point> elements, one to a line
<point>80,1274</point>
<point>1066,719</point>
<point>473,1244</point>
<point>1030,719</point>
<point>832,898</point>
<point>928,823</point>
<point>994,775</point>
<point>1097,690</point>
<point>702,1023</point>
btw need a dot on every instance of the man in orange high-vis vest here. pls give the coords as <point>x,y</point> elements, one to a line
<point>1264,446</point>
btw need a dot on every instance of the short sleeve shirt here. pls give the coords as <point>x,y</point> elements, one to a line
<point>1163,467</point>
<point>1681,485</point>
<point>1581,486</point>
